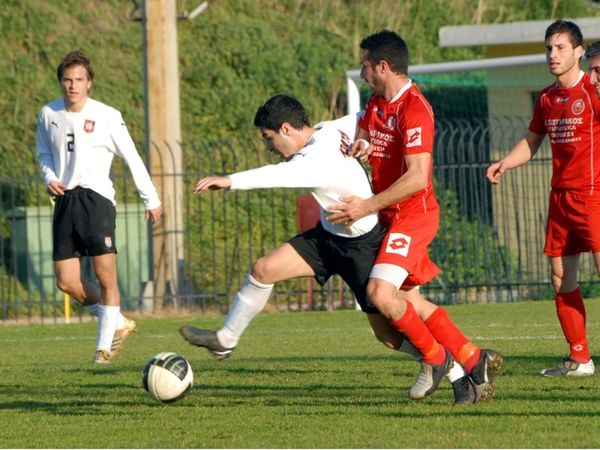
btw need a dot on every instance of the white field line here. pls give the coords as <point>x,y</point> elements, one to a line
<point>288,332</point>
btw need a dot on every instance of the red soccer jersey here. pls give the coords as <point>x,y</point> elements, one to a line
<point>571,118</point>
<point>402,126</point>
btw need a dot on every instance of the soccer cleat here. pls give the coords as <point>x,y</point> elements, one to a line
<point>570,368</point>
<point>120,335</point>
<point>429,378</point>
<point>102,357</point>
<point>484,373</point>
<point>207,339</point>
<point>464,391</point>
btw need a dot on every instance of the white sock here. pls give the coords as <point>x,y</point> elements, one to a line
<point>456,372</point>
<point>94,311</point>
<point>107,324</point>
<point>249,301</point>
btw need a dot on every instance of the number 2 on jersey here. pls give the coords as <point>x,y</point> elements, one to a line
<point>70,142</point>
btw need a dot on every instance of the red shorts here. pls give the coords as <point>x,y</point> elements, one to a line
<point>573,224</point>
<point>406,245</point>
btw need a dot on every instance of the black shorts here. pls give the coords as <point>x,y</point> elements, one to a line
<point>351,258</point>
<point>83,225</point>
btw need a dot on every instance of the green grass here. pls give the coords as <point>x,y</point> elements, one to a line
<point>300,380</point>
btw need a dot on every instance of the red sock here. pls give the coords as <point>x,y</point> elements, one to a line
<point>571,315</point>
<point>417,333</point>
<point>449,335</point>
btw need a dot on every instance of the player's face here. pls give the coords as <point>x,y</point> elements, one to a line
<point>278,142</point>
<point>370,74</point>
<point>561,55</point>
<point>594,66</point>
<point>75,85</point>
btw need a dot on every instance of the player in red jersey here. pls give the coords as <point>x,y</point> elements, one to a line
<point>592,54</point>
<point>568,111</point>
<point>396,137</point>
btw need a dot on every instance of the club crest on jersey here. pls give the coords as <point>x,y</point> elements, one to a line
<point>398,243</point>
<point>413,137</point>
<point>88,126</point>
<point>578,107</point>
<point>390,123</point>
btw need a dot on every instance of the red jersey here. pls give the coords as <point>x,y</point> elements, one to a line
<point>571,119</point>
<point>402,126</point>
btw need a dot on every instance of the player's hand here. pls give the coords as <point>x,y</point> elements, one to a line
<point>495,171</point>
<point>212,184</point>
<point>153,214</point>
<point>56,188</point>
<point>348,212</point>
<point>361,150</point>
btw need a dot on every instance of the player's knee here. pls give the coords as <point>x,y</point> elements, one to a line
<point>66,285</point>
<point>261,270</point>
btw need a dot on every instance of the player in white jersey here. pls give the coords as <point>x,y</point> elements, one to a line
<point>77,138</point>
<point>314,158</point>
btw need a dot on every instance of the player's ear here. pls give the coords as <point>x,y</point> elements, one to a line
<point>579,51</point>
<point>285,129</point>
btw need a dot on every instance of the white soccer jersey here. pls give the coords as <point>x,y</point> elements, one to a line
<point>348,124</point>
<point>77,149</point>
<point>323,167</point>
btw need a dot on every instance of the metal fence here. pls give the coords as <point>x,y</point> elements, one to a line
<point>489,245</point>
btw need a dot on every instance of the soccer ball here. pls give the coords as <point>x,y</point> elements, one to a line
<point>167,377</point>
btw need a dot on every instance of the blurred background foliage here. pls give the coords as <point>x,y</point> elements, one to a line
<point>233,56</point>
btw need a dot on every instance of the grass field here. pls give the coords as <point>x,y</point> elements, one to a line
<point>298,380</point>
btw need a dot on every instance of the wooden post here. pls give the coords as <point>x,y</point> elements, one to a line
<point>163,141</point>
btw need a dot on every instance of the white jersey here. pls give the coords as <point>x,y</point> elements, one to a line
<point>323,167</point>
<point>77,149</point>
<point>347,124</point>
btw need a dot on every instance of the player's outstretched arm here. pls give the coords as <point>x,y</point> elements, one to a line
<point>212,184</point>
<point>521,153</point>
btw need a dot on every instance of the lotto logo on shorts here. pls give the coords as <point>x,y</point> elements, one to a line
<point>398,243</point>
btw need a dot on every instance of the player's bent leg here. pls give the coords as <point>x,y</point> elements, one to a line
<point>436,361</point>
<point>388,335</point>
<point>462,385</point>
<point>281,264</point>
<point>69,281</point>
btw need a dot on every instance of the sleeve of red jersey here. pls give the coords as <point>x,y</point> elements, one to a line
<point>537,120</point>
<point>419,128</point>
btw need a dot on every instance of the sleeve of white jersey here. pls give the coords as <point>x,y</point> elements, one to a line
<point>126,149</point>
<point>44,151</point>
<point>304,170</point>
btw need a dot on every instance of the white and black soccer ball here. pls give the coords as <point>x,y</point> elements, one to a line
<point>167,377</point>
